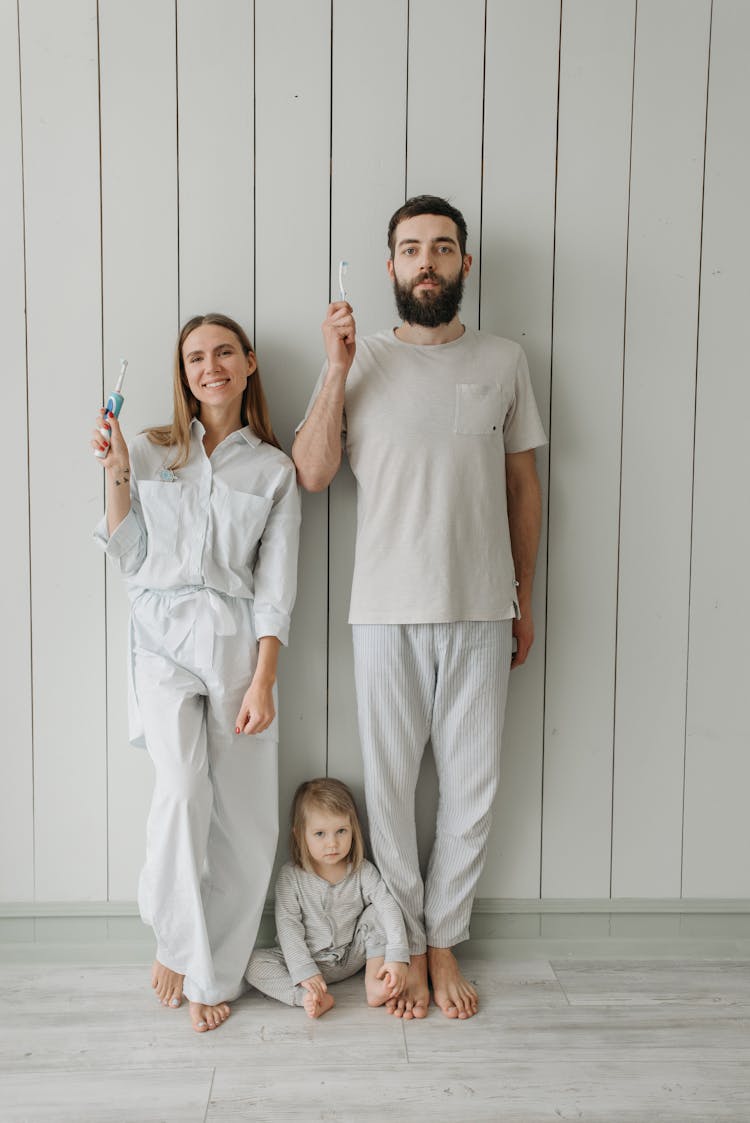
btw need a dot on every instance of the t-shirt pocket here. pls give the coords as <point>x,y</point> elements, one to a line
<point>479,409</point>
<point>160,503</point>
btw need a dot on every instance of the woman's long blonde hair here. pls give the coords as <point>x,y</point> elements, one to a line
<point>333,796</point>
<point>254,408</point>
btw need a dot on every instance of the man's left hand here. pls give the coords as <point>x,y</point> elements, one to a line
<point>523,632</point>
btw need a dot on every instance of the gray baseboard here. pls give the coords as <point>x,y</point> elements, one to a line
<point>112,932</point>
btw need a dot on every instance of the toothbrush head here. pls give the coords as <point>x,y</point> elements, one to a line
<point>123,368</point>
<point>343,266</point>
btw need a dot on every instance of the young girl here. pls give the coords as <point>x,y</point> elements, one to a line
<point>203,521</point>
<point>334,914</point>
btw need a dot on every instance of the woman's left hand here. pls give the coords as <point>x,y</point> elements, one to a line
<point>257,710</point>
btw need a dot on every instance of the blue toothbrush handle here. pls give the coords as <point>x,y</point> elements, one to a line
<point>114,405</point>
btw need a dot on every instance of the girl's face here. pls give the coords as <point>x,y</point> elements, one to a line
<point>216,367</point>
<point>328,837</point>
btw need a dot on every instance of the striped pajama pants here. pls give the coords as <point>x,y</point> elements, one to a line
<point>444,683</point>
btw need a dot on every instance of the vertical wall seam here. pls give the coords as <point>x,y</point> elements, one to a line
<point>622,445</point>
<point>103,560</point>
<point>549,452</point>
<point>329,644</point>
<point>406,107</point>
<point>481,171</point>
<point>255,168</point>
<point>695,434</point>
<point>28,453</point>
<point>177,155</point>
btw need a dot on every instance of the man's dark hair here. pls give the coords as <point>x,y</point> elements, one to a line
<point>428,204</point>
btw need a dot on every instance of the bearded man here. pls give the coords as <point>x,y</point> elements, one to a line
<point>440,425</point>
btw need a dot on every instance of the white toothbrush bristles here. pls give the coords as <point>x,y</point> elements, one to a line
<point>123,368</point>
<point>343,266</point>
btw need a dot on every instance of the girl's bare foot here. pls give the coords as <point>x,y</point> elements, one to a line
<point>208,1017</point>
<point>455,996</point>
<point>167,984</point>
<point>415,999</point>
<point>316,1005</point>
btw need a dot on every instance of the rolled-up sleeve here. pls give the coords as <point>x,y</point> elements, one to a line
<point>127,544</point>
<point>275,574</point>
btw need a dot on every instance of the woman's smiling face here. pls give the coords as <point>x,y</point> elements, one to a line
<point>216,367</point>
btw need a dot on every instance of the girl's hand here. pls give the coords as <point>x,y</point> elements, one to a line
<point>316,984</point>
<point>394,977</point>
<point>257,710</point>
<point>118,457</point>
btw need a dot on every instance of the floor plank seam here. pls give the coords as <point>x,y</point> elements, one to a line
<point>210,1094</point>
<point>405,1040</point>
<point>561,985</point>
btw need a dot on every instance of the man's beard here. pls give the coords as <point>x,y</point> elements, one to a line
<point>431,309</point>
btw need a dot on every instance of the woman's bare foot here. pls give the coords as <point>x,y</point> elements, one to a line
<point>415,999</point>
<point>167,984</point>
<point>455,996</point>
<point>208,1017</point>
<point>317,1005</point>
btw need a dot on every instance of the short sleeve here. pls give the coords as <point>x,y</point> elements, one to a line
<point>523,427</point>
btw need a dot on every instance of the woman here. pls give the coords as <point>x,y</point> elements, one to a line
<point>203,521</point>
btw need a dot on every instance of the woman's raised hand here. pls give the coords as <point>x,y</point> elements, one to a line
<point>115,449</point>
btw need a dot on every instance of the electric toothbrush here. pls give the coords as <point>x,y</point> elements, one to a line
<point>113,406</point>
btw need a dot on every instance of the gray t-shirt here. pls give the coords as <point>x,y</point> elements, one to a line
<point>426,430</point>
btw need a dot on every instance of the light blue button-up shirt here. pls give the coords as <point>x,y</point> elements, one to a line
<point>228,522</point>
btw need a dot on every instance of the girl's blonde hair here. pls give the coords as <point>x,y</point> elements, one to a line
<point>324,794</point>
<point>254,408</point>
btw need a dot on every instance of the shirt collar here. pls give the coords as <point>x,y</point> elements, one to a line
<point>245,434</point>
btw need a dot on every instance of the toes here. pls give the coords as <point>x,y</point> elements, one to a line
<point>208,1017</point>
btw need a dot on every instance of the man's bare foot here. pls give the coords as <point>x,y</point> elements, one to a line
<point>415,999</point>
<point>455,996</point>
<point>167,984</point>
<point>208,1017</point>
<point>317,1005</point>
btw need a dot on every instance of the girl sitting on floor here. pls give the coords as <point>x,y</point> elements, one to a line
<point>334,914</point>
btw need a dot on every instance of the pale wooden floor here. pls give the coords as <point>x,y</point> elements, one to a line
<point>558,1038</point>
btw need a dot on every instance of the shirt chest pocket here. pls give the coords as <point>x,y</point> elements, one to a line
<point>160,503</point>
<point>480,409</point>
<point>242,518</point>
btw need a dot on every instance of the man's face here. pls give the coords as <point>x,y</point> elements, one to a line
<point>427,270</point>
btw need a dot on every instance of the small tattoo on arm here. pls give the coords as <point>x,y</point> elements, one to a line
<point>124,479</point>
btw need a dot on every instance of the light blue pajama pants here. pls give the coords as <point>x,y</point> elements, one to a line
<point>213,824</point>
<point>268,972</point>
<point>444,683</point>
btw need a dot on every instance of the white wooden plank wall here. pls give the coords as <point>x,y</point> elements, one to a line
<point>716,822</point>
<point>16,764</point>
<point>140,285</point>
<point>165,157</point>
<point>61,169</point>
<point>666,186</point>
